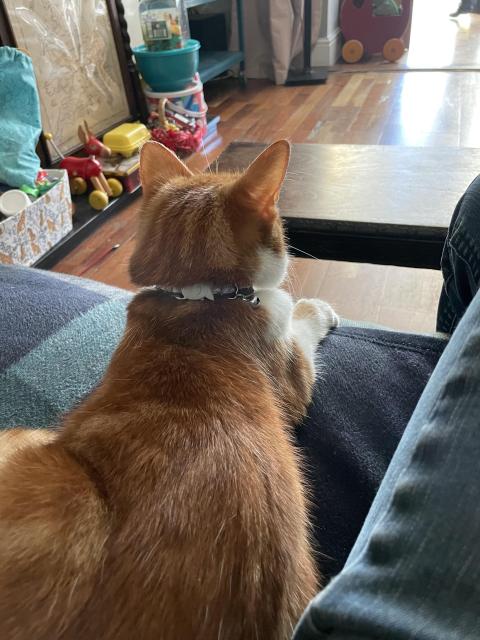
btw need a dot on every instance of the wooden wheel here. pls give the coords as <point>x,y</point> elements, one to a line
<point>393,49</point>
<point>78,186</point>
<point>98,199</point>
<point>116,187</point>
<point>352,51</point>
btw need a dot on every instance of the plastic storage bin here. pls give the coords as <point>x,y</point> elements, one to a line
<point>189,103</point>
<point>169,70</point>
<point>164,24</point>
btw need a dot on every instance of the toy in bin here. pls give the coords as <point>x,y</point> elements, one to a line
<point>375,26</point>
<point>82,170</point>
<point>179,119</point>
<point>42,184</point>
<point>175,131</point>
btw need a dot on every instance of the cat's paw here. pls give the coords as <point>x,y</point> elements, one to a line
<point>319,311</point>
<point>312,320</point>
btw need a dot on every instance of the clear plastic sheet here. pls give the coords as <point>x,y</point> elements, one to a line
<point>75,60</point>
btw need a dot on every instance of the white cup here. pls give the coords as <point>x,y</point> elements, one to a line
<point>13,201</point>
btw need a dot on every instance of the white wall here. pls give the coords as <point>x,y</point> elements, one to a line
<point>328,47</point>
<point>332,16</point>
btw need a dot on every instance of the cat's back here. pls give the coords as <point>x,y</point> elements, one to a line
<point>203,534</point>
<point>207,507</point>
<point>200,516</point>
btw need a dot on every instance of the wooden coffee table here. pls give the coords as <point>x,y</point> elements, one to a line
<point>362,203</point>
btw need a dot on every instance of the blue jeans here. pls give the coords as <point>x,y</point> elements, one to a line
<point>460,260</point>
<point>414,571</point>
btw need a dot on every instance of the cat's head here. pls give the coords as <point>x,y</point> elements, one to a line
<point>216,229</point>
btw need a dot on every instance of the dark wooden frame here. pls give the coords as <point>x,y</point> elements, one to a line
<point>7,37</point>
<point>135,97</point>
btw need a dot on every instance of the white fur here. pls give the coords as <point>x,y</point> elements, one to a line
<point>272,270</point>
<point>279,306</point>
<point>306,323</point>
<point>312,320</point>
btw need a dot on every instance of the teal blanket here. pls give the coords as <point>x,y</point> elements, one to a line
<point>19,119</point>
<point>57,336</point>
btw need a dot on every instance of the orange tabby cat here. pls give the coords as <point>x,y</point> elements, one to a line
<point>169,505</point>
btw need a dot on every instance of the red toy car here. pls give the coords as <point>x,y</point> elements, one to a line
<point>367,33</point>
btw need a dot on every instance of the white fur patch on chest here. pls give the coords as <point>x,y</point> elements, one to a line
<point>272,269</point>
<point>279,307</point>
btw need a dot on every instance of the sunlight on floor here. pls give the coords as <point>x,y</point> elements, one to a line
<point>421,100</point>
<point>438,40</point>
<point>472,137</point>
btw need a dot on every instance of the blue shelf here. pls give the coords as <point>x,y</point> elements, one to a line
<point>213,63</point>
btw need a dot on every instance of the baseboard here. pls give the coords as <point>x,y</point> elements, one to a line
<point>327,50</point>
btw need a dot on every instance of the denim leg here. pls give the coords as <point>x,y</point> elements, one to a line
<point>414,572</point>
<point>460,260</point>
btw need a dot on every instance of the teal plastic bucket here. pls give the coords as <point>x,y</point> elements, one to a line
<point>170,70</point>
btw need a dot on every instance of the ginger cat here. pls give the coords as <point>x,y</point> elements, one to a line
<point>169,505</point>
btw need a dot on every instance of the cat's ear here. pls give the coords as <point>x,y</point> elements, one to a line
<point>158,165</point>
<point>263,179</point>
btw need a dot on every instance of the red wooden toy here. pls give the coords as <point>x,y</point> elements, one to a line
<point>81,170</point>
<point>92,145</point>
<point>86,169</point>
<point>367,33</point>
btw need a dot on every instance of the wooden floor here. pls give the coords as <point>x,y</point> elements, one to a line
<point>438,108</point>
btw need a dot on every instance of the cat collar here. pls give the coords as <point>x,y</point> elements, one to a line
<point>204,292</point>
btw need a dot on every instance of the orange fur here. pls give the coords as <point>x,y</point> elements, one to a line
<point>169,505</point>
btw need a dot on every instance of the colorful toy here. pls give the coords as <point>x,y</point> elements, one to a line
<point>127,138</point>
<point>366,32</point>
<point>42,184</point>
<point>176,131</point>
<point>188,103</point>
<point>124,169</point>
<point>80,170</point>
<point>92,145</point>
